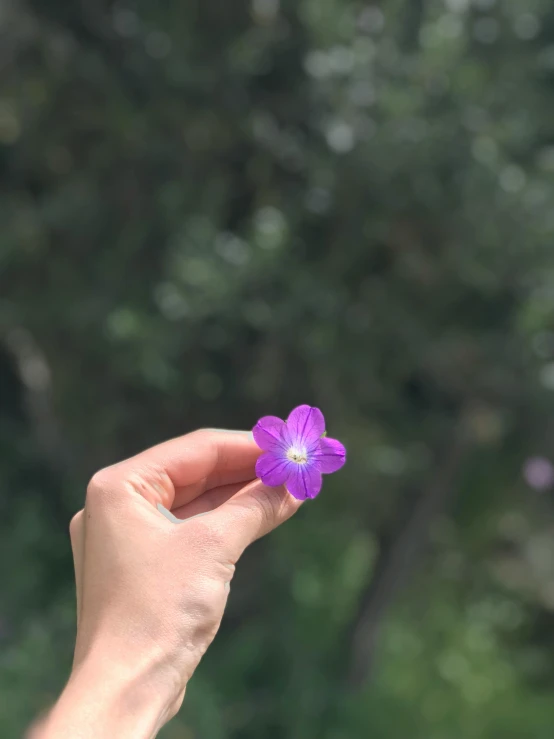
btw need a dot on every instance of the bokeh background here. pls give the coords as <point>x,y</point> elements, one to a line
<point>211,211</point>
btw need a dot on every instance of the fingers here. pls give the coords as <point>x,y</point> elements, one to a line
<point>247,515</point>
<point>177,471</point>
<point>207,502</point>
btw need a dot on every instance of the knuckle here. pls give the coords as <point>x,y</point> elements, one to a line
<point>226,571</point>
<point>100,487</point>
<point>75,525</point>
<point>202,433</point>
<point>151,482</point>
<point>210,603</point>
<point>204,437</point>
<point>207,605</point>
<point>201,437</point>
<point>99,482</point>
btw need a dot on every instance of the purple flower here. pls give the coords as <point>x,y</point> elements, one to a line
<point>297,451</point>
<point>539,473</point>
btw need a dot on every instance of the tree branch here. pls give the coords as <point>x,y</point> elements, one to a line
<point>398,557</point>
<point>34,373</point>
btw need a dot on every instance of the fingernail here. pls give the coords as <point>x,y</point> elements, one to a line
<point>160,489</point>
<point>227,586</point>
<point>174,519</point>
<point>197,516</point>
<point>234,431</point>
<point>168,514</point>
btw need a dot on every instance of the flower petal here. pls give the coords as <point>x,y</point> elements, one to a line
<point>305,424</point>
<point>330,456</point>
<point>272,470</point>
<point>268,433</point>
<point>305,481</point>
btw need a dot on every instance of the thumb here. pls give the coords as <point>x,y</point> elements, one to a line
<point>250,514</point>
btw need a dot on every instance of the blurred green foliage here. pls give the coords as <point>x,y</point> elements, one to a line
<point>213,211</point>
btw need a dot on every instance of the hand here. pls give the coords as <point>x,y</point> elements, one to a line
<point>152,585</point>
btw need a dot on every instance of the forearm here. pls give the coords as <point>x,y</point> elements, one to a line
<point>104,699</point>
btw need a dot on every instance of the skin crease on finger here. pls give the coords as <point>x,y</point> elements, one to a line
<point>193,491</point>
<point>182,469</point>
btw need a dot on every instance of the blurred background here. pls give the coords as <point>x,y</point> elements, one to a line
<point>214,210</point>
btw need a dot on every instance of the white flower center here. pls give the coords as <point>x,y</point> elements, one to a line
<point>297,455</point>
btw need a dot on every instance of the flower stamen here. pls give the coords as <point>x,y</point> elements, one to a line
<point>297,455</point>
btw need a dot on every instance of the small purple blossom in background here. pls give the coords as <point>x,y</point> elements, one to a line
<point>297,452</point>
<point>539,473</point>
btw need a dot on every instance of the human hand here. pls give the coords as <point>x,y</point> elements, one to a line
<point>151,591</point>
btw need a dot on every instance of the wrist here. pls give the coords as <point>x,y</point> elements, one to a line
<point>107,697</point>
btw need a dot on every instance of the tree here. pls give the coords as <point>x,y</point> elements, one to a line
<point>213,212</point>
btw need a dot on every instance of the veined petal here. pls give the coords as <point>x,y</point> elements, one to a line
<point>330,456</point>
<point>305,481</point>
<point>272,470</point>
<point>268,433</point>
<point>305,424</point>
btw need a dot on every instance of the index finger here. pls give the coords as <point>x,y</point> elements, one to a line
<point>177,471</point>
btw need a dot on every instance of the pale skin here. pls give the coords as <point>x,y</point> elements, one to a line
<point>150,591</point>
